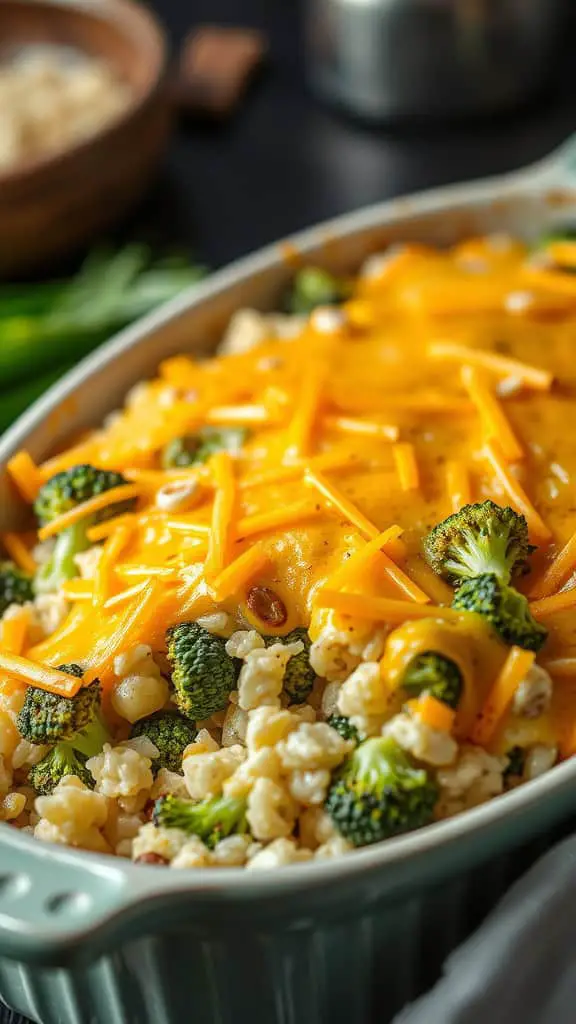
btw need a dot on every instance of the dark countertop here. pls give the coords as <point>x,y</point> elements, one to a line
<point>284,162</point>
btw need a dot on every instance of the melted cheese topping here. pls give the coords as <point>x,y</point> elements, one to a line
<point>450,377</point>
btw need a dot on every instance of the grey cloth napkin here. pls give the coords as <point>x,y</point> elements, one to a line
<point>520,966</point>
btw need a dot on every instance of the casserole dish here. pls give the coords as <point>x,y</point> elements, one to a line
<point>84,937</point>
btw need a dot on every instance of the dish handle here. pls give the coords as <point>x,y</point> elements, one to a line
<point>52,900</point>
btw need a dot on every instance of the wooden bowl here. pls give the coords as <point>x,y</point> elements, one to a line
<point>52,205</point>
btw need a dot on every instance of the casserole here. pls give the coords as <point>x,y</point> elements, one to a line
<point>112,941</point>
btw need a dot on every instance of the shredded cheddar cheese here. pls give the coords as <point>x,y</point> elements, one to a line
<point>514,670</point>
<point>501,366</point>
<point>445,378</point>
<point>557,572</point>
<point>222,514</point>
<point>46,678</point>
<point>18,552</point>
<point>406,465</point>
<point>434,713</point>
<point>239,572</point>
<point>336,500</point>
<point>496,426</point>
<point>457,485</point>
<point>515,493</point>
<point>378,609</point>
<point>26,475</point>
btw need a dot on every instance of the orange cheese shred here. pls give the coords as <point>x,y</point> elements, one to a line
<point>494,422</point>
<point>25,474</point>
<point>406,466</point>
<point>502,366</point>
<point>276,519</point>
<point>105,568</point>
<point>457,484</point>
<point>239,414</point>
<point>560,602</point>
<point>433,713</point>
<point>374,552</point>
<point>14,631</point>
<point>550,280</point>
<point>88,508</point>
<point>563,254</point>
<point>364,428</point>
<point>221,531</point>
<point>563,668</point>
<point>557,572</point>
<point>515,668</point>
<point>42,676</point>
<point>334,498</point>
<point>125,595</point>
<point>299,434</point>
<point>333,461</point>
<point>515,493</point>
<point>379,609</point>
<point>243,569</point>
<point>77,590</point>
<point>19,553</point>
<point>103,530</point>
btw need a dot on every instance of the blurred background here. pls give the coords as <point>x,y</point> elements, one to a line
<point>144,143</point>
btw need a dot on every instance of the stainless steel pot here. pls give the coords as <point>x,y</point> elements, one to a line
<point>421,58</point>
<point>89,939</point>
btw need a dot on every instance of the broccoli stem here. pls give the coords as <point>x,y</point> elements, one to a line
<point>90,741</point>
<point>61,566</point>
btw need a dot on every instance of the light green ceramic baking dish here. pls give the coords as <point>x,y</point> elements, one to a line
<point>86,939</point>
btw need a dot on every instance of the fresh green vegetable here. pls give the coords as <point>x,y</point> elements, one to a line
<point>211,819</point>
<point>203,674</point>
<point>170,733</point>
<point>378,793</point>
<point>49,718</point>
<point>299,676</point>
<point>73,724</point>
<point>193,449</point>
<point>60,494</point>
<point>15,586</point>
<point>61,761</point>
<point>503,608</point>
<point>479,539</point>
<point>313,287</point>
<point>435,674</point>
<point>45,325</point>
<point>344,728</point>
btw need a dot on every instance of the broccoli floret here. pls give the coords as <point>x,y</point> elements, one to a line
<point>193,449</point>
<point>203,674</point>
<point>504,609</point>
<point>479,539</point>
<point>313,287</point>
<point>435,674</point>
<point>170,733</point>
<point>73,724</point>
<point>211,819</point>
<point>378,793</point>
<point>61,761</point>
<point>50,718</point>
<point>61,493</point>
<point>299,676</point>
<point>344,728</point>
<point>15,586</point>
<point>515,767</point>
